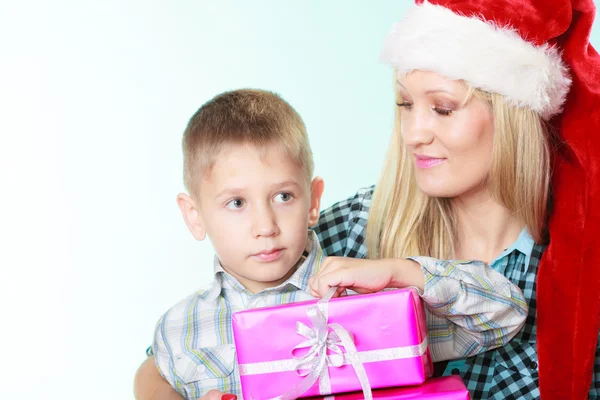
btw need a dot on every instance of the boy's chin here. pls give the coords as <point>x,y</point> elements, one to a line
<point>274,278</point>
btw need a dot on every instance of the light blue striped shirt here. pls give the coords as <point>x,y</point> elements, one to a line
<point>193,342</point>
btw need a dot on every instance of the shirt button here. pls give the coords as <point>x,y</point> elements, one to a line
<point>533,365</point>
<point>201,369</point>
<point>455,371</point>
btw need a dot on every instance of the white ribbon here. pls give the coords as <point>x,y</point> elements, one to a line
<point>322,337</point>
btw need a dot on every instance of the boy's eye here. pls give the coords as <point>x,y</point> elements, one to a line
<point>283,197</point>
<point>235,204</point>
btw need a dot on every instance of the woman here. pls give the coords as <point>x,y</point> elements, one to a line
<point>468,175</point>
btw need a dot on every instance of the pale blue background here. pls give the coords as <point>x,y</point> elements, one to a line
<point>94,97</point>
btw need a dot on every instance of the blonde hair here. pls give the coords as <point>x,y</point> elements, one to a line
<point>243,117</point>
<point>403,221</point>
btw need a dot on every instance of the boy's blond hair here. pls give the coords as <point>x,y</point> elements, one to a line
<point>242,117</point>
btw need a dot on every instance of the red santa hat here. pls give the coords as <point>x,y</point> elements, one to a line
<point>537,54</point>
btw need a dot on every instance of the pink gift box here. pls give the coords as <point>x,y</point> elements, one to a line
<point>445,388</point>
<point>388,330</point>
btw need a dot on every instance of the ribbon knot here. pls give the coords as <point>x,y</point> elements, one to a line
<point>319,342</point>
<point>324,338</point>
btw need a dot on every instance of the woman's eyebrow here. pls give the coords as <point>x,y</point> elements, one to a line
<point>430,91</point>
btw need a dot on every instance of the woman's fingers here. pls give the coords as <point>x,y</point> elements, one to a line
<point>327,265</point>
<point>329,275</point>
<point>217,395</point>
<point>339,278</point>
<point>360,275</point>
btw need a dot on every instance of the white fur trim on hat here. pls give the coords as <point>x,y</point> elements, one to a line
<point>488,57</point>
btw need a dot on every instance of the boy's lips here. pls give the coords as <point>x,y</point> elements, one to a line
<point>268,255</point>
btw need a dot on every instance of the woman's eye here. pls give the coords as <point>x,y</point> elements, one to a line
<point>442,111</point>
<point>283,197</point>
<point>405,105</point>
<point>235,204</point>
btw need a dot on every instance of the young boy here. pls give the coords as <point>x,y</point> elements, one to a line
<point>248,169</point>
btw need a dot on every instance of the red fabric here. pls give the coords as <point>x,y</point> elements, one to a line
<point>569,276</point>
<point>568,285</point>
<point>537,21</point>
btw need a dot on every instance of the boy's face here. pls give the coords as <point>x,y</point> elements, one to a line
<point>256,212</point>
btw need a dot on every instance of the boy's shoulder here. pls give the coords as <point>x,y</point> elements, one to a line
<point>203,316</point>
<point>202,304</point>
<point>193,332</point>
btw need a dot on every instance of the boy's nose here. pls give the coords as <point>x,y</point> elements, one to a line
<point>265,224</point>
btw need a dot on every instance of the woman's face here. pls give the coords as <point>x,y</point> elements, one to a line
<point>450,145</point>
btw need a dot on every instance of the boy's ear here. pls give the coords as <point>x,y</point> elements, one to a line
<point>191,216</point>
<point>316,191</point>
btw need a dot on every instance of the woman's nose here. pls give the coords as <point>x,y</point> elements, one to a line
<point>416,128</point>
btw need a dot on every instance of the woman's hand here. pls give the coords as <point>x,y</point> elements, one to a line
<point>216,395</point>
<point>150,385</point>
<point>365,276</point>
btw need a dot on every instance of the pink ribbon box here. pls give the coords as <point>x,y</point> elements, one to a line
<point>346,344</point>
<point>445,388</point>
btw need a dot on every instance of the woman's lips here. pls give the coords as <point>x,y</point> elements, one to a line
<point>428,162</point>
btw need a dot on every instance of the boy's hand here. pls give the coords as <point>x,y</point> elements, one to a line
<point>365,276</point>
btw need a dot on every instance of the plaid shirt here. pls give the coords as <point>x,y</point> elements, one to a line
<point>193,342</point>
<point>508,372</point>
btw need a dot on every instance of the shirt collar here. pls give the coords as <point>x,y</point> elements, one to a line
<point>310,262</point>
<point>524,244</point>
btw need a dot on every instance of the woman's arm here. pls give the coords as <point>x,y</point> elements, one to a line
<point>471,308</point>
<point>150,385</point>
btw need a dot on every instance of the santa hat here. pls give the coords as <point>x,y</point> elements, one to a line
<point>537,54</point>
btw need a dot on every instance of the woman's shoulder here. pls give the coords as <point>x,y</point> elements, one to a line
<point>360,201</point>
<point>341,227</point>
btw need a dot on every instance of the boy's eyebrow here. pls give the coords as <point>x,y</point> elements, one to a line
<point>283,184</point>
<point>229,192</point>
<point>239,190</point>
